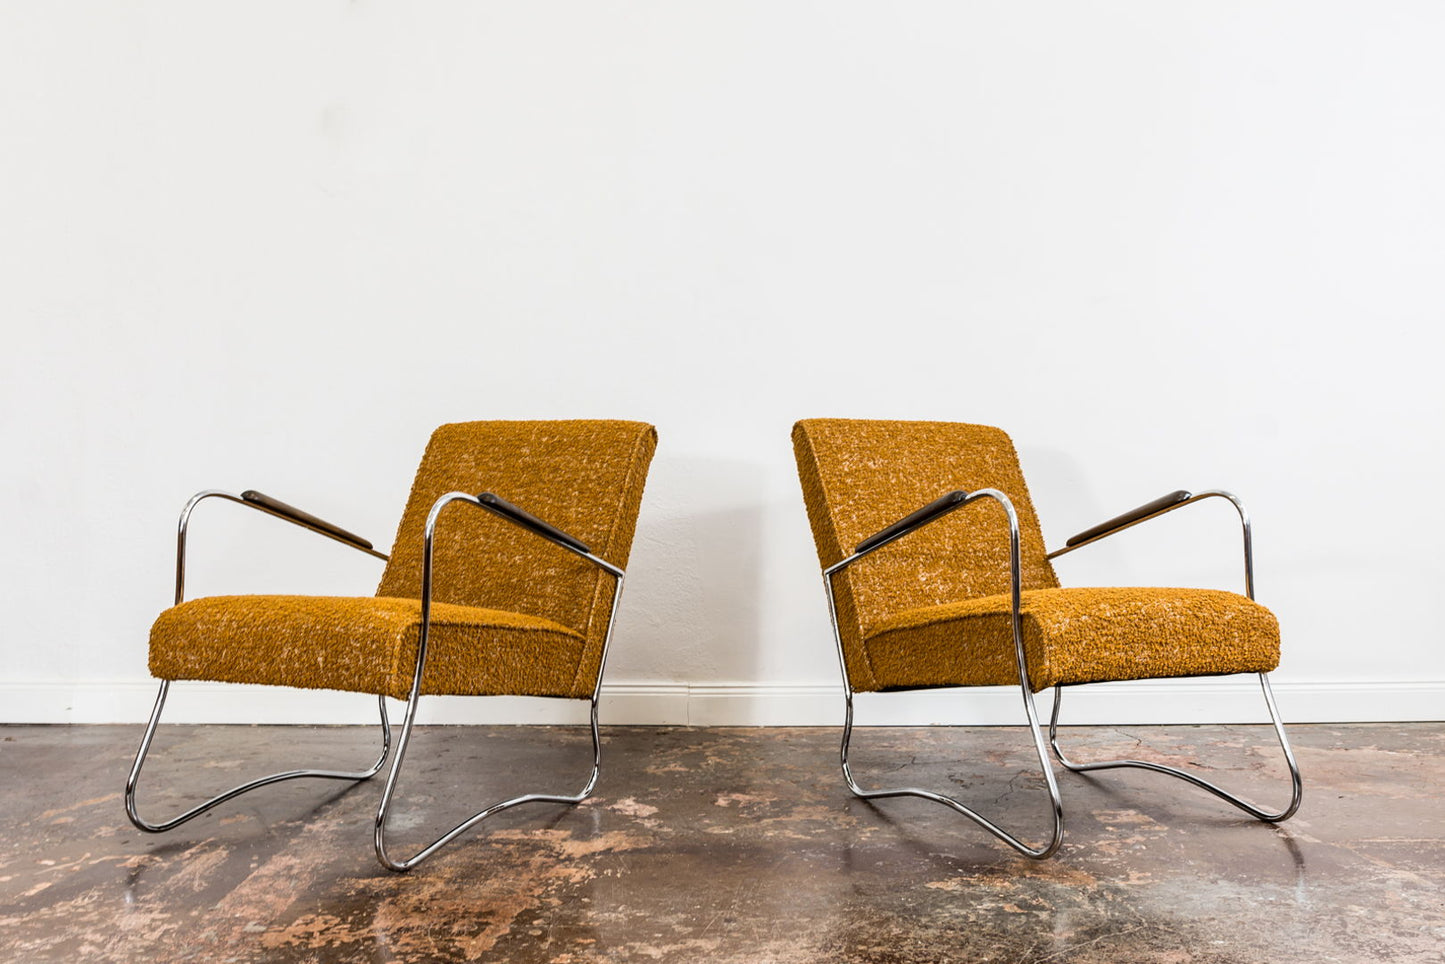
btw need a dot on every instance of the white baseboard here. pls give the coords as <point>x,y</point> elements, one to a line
<point>1232,700</point>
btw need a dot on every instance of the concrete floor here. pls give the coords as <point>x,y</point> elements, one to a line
<point>731,845</point>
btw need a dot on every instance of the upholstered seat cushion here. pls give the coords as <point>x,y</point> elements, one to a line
<point>365,645</point>
<point>1079,635</point>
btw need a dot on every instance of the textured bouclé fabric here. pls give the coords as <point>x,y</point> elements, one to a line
<point>512,613</point>
<point>1081,635</point>
<point>859,476</point>
<point>364,645</point>
<point>932,609</point>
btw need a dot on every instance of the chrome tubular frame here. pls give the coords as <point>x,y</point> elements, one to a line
<point>1015,585</point>
<point>131,809</point>
<point>1196,497</point>
<point>1296,784</point>
<point>383,810</point>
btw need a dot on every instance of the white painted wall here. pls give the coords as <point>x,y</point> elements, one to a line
<point>1166,245</point>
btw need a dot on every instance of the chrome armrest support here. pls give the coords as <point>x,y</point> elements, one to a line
<point>255,500</point>
<point>511,513</point>
<point>1158,507</point>
<point>500,507</point>
<point>932,513</point>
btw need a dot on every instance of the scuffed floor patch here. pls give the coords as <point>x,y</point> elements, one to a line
<point>738,846</point>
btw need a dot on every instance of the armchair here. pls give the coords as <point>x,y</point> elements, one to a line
<point>493,602</point>
<point>976,602</point>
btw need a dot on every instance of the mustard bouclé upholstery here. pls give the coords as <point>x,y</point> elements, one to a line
<point>933,608</point>
<point>1085,635</point>
<point>365,645</point>
<point>511,612</point>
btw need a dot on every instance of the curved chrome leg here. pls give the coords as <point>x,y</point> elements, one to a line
<point>383,811</point>
<point>1021,663</point>
<point>145,744</point>
<point>414,700</point>
<point>1056,804</point>
<point>1297,791</point>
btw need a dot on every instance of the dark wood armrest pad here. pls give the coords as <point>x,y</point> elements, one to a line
<point>525,519</point>
<point>913,520</point>
<point>305,518</point>
<point>1143,512</point>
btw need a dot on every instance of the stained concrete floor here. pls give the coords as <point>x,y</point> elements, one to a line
<point>729,845</point>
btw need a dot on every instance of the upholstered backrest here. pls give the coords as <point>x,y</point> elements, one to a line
<point>584,477</point>
<point>859,476</point>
